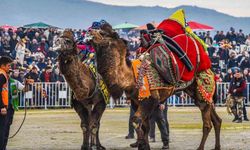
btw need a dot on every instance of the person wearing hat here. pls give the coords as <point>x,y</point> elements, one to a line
<point>20,51</point>
<point>5,65</point>
<point>236,91</point>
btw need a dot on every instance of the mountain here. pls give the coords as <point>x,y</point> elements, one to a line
<point>81,13</point>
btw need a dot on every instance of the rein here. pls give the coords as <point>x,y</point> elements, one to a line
<point>24,118</point>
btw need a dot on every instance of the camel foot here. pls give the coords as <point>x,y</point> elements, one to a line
<point>200,148</point>
<point>85,147</point>
<point>142,145</point>
<point>217,148</point>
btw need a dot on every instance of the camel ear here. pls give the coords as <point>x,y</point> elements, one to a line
<point>115,35</point>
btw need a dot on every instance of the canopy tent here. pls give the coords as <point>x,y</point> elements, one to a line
<point>144,27</point>
<point>7,27</point>
<point>125,26</point>
<point>198,26</point>
<point>39,25</point>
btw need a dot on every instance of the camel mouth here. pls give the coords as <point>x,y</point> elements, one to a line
<point>94,36</point>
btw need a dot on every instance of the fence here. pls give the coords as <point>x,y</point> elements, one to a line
<point>46,95</point>
<point>58,95</point>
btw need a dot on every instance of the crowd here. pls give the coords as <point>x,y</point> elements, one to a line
<point>228,51</point>
<point>33,51</point>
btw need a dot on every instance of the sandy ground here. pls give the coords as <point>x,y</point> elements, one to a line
<point>60,129</point>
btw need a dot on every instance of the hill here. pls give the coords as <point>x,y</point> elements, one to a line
<point>81,13</point>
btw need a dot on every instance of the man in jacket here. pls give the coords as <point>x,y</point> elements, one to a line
<point>5,65</point>
<point>236,89</point>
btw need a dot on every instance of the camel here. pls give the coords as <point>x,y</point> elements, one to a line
<point>87,99</point>
<point>116,70</point>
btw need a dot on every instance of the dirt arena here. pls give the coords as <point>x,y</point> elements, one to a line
<point>60,130</point>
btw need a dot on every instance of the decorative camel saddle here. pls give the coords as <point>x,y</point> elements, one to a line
<point>175,58</point>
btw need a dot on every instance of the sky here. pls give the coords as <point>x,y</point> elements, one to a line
<point>237,8</point>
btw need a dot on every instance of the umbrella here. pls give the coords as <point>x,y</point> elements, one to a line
<point>144,27</point>
<point>198,26</point>
<point>125,26</point>
<point>7,27</point>
<point>39,25</point>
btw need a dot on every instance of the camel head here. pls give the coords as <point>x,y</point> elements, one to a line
<point>66,42</point>
<point>101,34</point>
<point>106,41</point>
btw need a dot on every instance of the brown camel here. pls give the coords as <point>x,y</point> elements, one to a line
<point>116,70</point>
<point>87,99</point>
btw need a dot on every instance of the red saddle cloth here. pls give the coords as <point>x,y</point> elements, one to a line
<point>190,46</point>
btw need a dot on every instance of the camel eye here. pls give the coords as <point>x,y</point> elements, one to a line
<point>68,41</point>
<point>102,33</point>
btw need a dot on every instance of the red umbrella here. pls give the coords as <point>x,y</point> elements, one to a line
<point>144,27</point>
<point>198,26</point>
<point>7,27</point>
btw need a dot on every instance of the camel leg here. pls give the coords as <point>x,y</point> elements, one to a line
<point>216,120</point>
<point>207,125</point>
<point>83,114</point>
<point>137,122</point>
<point>96,115</point>
<point>146,128</point>
<point>141,121</point>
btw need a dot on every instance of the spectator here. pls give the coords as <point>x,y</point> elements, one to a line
<point>33,74</point>
<point>208,39</point>
<point>30,34</point>
<point>13,43</point>
<point>21,76</point>
<point>236,91</point>
<point>246,74</point>
<point>34,46</point>
<point>240,39</point>
<point>201,36</point>
<point>248,40</point>
<point>224,50</point>
<point>16,76</point>
<point>221,36</point>
<point>58,76</point>
<point>20,33</point>
<point>43,47</point>
<point>245,63</point>
<point>228,77</point>
<point>47,75</point>
<point>217,37</point>
<point>231,36</point>
<point>37,37</point>
<point>15,65</point>
<point>20,51</point>
<point>41,64</point>
<point>6,46</point>
<point>218,76</point>
<point>49,62</point>
<point>232,60</point>
<point>215,62</point>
